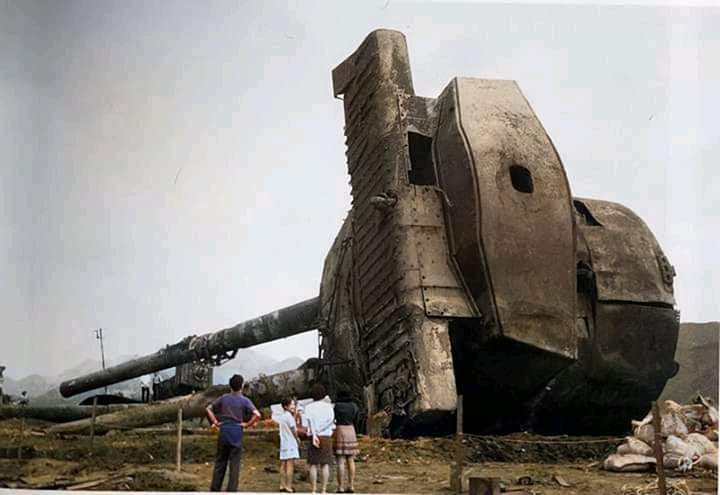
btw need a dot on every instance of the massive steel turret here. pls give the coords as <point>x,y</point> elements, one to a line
<point>466,266</point>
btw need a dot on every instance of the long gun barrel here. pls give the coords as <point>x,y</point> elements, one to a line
<point>298,318</point>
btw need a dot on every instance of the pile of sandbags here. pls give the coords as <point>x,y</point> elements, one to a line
<point>689,434</point>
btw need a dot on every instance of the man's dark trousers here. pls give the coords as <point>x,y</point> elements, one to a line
<point>226,453</point>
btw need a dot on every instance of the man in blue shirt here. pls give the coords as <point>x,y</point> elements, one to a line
<point>229,413</point>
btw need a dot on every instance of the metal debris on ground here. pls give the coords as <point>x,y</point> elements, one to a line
<point>525,480</point>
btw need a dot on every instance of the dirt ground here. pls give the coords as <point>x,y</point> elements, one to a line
<point>146,461</point>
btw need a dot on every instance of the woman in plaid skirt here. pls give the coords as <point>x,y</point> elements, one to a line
<point>345,440</point>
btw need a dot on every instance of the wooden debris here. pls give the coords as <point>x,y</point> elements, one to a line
<point>673,488</point>
<point>561,481</point>
<point>57,414</point>
<point>97,482</point>
<point>151,414</point>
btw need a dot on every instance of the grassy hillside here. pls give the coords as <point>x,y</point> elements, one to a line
<point>697,354</point>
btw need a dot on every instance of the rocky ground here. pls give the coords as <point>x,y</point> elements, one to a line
<point>145,460</point>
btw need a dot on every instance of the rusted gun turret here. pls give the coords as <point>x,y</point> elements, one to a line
<point>212,348</point>
<point>465,266</point>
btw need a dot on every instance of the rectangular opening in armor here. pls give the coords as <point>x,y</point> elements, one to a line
<point>521,179</point>
<point>422,171</point>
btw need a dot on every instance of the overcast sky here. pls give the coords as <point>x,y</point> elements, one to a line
<point>170,168</point>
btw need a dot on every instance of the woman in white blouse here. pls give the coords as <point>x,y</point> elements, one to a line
<point>320,418</point>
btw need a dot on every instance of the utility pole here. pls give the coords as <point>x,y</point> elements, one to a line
<point>99,336</point>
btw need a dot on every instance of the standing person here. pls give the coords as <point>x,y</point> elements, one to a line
<point>2,379</point>
<point>289,443</point>
<point>144,390</point>
<point>156,387</point>
<point>346,444</point>
<point>321,424</point>
<point>232,410</point>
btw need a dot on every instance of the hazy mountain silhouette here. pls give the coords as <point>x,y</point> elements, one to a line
<point>250,364</point>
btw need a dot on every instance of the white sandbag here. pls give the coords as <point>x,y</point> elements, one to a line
<point>676,445</point>
<point>672,420</point>
<point>703,445</point>
<point>694,415</point>
<point>677,462</point>
<point>628,463</point>
<point>694,411</point>
<point>710,418</point>
<point>645,433</point>
<point>713,414</point>
<point>668,406</point>
<point>645,421</point>
<point>636,446</point>
<point>708,461</point>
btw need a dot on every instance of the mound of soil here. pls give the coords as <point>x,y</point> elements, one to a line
<point>527,448</point>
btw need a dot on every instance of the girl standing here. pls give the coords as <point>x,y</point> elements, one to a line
<point>346,444</point>
<point>288,444</point>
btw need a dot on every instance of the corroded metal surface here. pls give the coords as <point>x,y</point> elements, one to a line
<point>635,342</point>
<point>627,328</point>
<point>469,259</point>
<point>401,272</point>
<point>629,264</point>
<point>272,389</point>
<point>502,225</point>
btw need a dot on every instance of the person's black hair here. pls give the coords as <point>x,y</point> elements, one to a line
<point>236,383</point>
<point>286,402</point>
<point>318,391</point>
<point>343,395</point>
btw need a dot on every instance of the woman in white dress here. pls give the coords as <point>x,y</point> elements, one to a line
<point>288,444</point>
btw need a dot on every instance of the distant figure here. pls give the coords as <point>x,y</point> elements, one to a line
<point>24,399</point>
<point>156,386</point>
<point>289,444</point>
<point>2,379</point>
<point>321,424</point>
<point>144,390</point>
<point>232,410</point>
<point>346,444</point>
